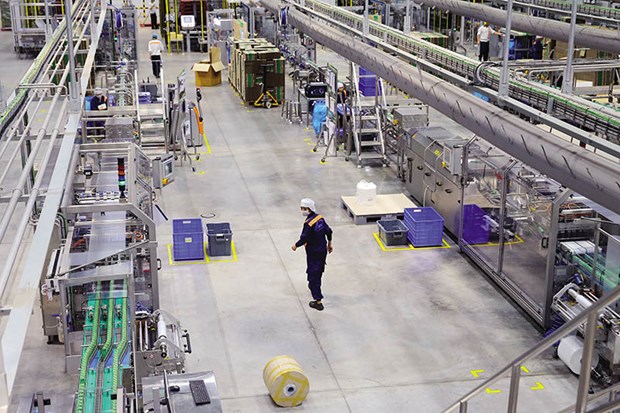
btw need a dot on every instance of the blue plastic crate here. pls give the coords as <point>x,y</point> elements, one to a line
<point>368,90</point>
<point>220,239</point>
<point>476,228</point>
<point>187,226</point>
<point>188,247</point>
<point>363,71</point>
<point>425,226</point>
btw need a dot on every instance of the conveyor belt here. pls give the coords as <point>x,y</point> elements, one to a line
<point>582,8</point>
<point>16,103</point>
<point>597,118</point>
<point>101,368</point>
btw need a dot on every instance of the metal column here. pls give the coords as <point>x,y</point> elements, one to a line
<point>505,73</point>
<point>365,26</point>
<point>73,86</point>
<point>567,83</point>
<point>407,22</point>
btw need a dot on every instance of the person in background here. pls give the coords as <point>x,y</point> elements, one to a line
<point>483,38</point>
<point>341,100</point>
<point>313,237</point>
<point>99,101</point>
<point>155,49</point>
<point>153,10</point>
<point>342,93</point>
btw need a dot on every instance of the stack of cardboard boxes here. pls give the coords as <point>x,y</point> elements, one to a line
<point>255,62</point>
<point>598,78</point>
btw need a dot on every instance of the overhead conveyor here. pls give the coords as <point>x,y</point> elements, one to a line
<point>589,174</point>
<point>606,15</point>
<point>604,121</point>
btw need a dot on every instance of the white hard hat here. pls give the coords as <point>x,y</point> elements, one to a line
<point>340,85</point>
<point>98,91</point>
<point>308,203</point>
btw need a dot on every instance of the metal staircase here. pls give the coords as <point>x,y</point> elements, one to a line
<point>366,124</point>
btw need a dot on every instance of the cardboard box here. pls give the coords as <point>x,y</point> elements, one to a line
<point>209,72</point>
<point>240,29</point>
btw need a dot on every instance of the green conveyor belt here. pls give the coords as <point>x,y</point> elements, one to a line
<point>101,360</point>
<point>35,69</point>
<point>90,350</point>
<point>120,349</point>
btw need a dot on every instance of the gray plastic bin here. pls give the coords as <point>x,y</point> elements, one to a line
<point>392,232</point>
<point>219,238</point>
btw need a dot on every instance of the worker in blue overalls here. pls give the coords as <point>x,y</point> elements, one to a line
<point>313,237</point>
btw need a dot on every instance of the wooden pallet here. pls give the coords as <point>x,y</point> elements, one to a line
<point>383,206</point>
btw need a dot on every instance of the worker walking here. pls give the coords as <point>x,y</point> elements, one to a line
<point>313,237</point>
<point>155,49</point>
<point>483,39</point>
<point>153,10</point>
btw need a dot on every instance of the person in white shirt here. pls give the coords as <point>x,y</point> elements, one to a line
<point>483,38</point>
<point>153,9</point>
<point>155,49</point>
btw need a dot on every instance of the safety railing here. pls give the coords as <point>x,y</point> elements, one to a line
<point>590,316</point>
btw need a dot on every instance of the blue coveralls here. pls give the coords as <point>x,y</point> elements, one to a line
<point>313,236</point>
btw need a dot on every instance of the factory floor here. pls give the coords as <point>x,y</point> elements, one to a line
<point>402,331</point>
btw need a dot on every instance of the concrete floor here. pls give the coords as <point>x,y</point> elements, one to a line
<point>401,331</point>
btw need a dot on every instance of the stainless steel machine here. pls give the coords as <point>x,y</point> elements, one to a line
<point>521,227</point>
<point>100,297</point>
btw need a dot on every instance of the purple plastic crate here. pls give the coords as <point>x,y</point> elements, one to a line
<point>363,71</point>
<point>187,226</point>
<point>475,225</point>
<point>425,226</point>
<point>144,97</point>
<point>188,247</point>
<point>368,90</point>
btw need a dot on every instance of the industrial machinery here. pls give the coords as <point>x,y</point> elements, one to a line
<point>596,118</point>
<point>100,296</point>
<point>522,228</point>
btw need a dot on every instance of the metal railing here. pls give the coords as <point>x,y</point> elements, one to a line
<point>590,316</point>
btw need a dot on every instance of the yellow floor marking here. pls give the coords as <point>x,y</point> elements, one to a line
<point>495,244</point>
<point>207,260</point>
<point>539,386</point>
<point>524,369</point>
<point>173,263</point>
<point>233,250</point>
<point>409,247</point>
<point>491,391</point>
<point>476,373</point>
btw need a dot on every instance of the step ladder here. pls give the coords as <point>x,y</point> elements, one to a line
<point>366,124</point>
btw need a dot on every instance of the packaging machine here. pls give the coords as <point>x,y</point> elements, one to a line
<point>522,228</point>
<point>100,295</point>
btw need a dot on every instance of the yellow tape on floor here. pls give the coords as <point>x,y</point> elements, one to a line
<point>207,260</point>
<point>495,244</point>
<point>409,247</point>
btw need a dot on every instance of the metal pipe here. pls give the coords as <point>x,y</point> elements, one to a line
<point>34,193</point>
<point>17,99</point>
<point>567,83</point>
<point>599,39</point>
<point>73,92</point>
<point>513,395</point>
<point>586,364</point>
<point>505,72</point>
<point>18,190</point>
<point>13,131</point>
<point>9,161</point>
<point>589,174</point>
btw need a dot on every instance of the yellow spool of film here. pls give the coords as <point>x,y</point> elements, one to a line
<point>287,384</point>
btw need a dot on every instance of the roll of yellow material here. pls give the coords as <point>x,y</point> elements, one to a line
<point>287,384</point>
